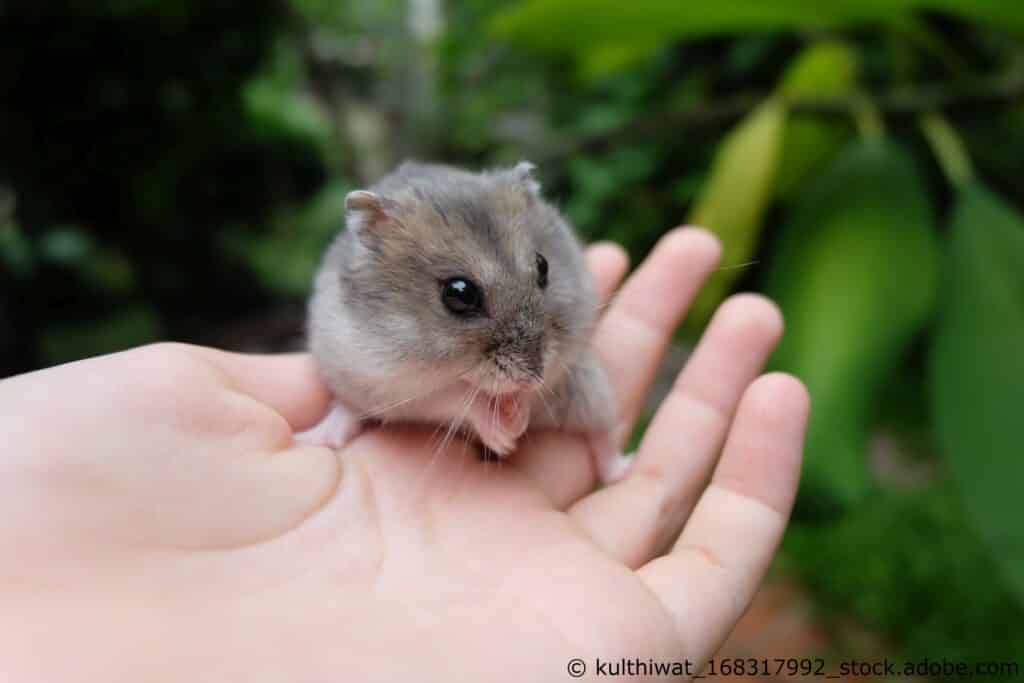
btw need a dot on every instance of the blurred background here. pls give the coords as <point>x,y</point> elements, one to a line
<point>173,169</point>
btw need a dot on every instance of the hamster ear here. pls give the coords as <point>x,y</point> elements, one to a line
<point>364,200</point>
<point>523,174</point>
<point>367,208</point>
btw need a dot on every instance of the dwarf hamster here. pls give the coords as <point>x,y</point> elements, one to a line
<point>461,299</point>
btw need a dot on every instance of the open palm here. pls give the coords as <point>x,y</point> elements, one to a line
<point>158,522</point>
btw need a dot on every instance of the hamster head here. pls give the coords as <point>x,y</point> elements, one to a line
<point>464,276</point>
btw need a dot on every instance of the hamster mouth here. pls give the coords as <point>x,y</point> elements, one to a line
<point>508,406</point>
<point>511,412</point>
<point>508,412</point>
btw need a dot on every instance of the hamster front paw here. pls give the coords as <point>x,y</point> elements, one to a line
<point>499,422</point>
<point>334,431</point>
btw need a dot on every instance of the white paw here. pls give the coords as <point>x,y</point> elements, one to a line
<point>499,441</point>
<point>334,431</point>
<point>611,464</point>
<point>500,444</point>
<point>499,423</point>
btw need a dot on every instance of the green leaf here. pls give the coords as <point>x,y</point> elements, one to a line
<point>977,370</point>
<point>855,276</point>
<point>73,248</point>
<point>579,26</point>
<point>735,198</point>
<point>542,24</point>
<point>824,69</point>
<point>66,245</point>
<point>613,57</point>
<point>278,102</point>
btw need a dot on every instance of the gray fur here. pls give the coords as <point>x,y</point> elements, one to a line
<point>381,334</point>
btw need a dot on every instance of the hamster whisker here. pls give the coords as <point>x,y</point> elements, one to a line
<point>494,414</point>
<point>734,266</point>
<point>460,418</point>
<point>451,428</point>
<point>493,404</point>
<point>468,407</point>
<point>391,406</point>
<point>456,424</point>
<point>544,391</point>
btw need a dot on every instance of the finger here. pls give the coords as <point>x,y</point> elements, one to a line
<point>607,263</point>
<point>638,517</point>
<point>631,338</point>
<point>288,383</point>
<point>559,464</point>
<point>712,573</point>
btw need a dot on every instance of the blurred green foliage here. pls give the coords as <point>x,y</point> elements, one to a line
<point>855,272</point>
<point>978,370</point>
<point>171,168</point>
<point>911,565</point>
<point>736,195</point>
<point>601,27</point>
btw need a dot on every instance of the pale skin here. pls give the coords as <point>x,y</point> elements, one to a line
<point>159,523</point>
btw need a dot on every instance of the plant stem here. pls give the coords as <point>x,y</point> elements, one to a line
<point>948,149</point>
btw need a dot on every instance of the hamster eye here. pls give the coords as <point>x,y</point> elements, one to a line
<point>462,297</point>
<point>542,271</point>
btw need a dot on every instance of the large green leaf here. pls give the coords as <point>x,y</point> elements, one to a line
<point>855,275</point>
<point>978,371</point>
<point>577,26</point>
<point>279,105</point>
<point>543,23</point>
<point>767,143</point>
<point>825,69</point>
<point>735,197</point>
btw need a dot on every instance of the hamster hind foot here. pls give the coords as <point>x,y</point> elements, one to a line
<point>609,462</point>
<point>334,431</point>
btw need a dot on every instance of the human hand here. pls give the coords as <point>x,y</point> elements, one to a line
<point>158,522</point>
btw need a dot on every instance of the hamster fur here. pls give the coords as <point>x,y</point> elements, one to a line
<point>464,299</point>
